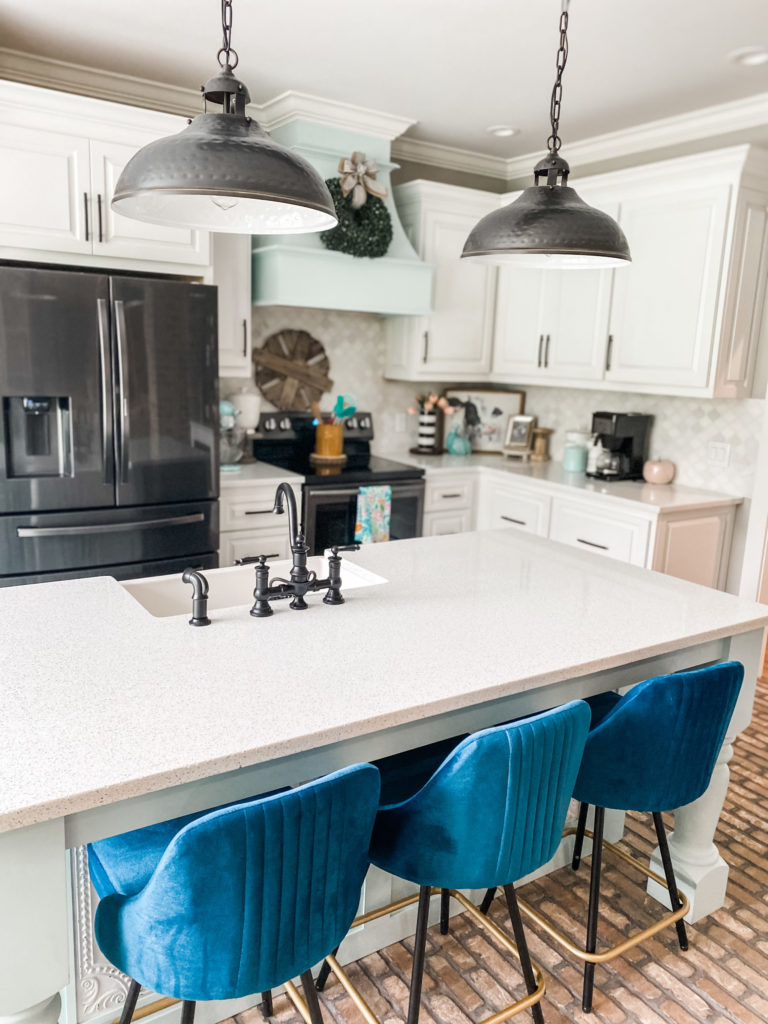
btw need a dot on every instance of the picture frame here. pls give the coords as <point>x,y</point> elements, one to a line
<point>519,434</point>
<point>485,414</point>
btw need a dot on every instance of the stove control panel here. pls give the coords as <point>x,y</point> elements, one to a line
<point>291,426</point>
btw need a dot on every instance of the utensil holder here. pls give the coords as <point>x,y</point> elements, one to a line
<point>329,438</point>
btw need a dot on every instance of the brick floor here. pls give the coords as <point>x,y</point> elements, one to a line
<point>722,979</point>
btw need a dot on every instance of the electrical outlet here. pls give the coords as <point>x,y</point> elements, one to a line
<point>400,422</point>
<point>719,453</point>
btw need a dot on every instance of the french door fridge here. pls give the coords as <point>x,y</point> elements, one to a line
<point>108,426</point>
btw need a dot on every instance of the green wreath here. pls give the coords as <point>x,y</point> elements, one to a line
<point>363,232</point>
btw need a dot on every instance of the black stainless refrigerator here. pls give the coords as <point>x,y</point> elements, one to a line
<point>108,426</point>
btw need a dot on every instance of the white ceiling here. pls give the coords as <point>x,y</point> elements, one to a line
<point>455,66</point>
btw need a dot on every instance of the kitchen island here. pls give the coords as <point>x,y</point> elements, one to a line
<point>114,718</point>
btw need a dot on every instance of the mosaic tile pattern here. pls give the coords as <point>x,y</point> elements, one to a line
<point>720,980</point>
<point>683,427</point>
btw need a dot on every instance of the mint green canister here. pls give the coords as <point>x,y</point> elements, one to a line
<point>575,452</point>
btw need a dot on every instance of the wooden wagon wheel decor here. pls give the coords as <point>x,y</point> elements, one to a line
<point>291,370</point>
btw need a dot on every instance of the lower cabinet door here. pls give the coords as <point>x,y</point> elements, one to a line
<point>249,543</point>
<point>614,535</point>
<point>522,510</point>
<point>439,524</point>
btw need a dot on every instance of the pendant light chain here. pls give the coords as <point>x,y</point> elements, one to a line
<point>553,142</point>
<point>226,43</point>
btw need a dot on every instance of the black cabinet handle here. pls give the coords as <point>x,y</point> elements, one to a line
<point>541,342</point>
<point>592,544</point>
<point>451,495</point>
<point>609,352</point>
<point>245,338</point>
<point>511,519</point>
<point>101,226</point>
<point>426,346</point>
<point>546,353</point>
<point>87,225</point>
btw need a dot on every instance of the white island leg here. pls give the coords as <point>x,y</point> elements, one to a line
<point>700,871</point>
<point>33,924</point>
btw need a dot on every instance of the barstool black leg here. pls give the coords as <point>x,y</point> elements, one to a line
<point>419,950</point>
<point>487,900</point>
<point>669,874</point>
<point>267,1009</point>
<point>187,1011</point>
<point>578,839</point>
<point>325,970</point>
<point>130,1002</point>
<point>594,901</point>
<point>445,910</point>
<point>310,998</point>
<point>522,949</point>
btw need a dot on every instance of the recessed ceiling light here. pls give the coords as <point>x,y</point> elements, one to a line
<point>750,56</point>
<point>502,130</point>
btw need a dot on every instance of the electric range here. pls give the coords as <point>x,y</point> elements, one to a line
<point>329,493</point>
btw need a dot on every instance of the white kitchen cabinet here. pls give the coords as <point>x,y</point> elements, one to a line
<point>550,325</point>
<point>600,530</point>
<point>449,502</point>
<point>506,503</point>
<point>683,318</point>
<point>244,530</point>
<point>454,343</point>
<point>57,181</point>
<point>231,256</point>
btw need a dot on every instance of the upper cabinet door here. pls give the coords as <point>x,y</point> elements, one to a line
<point>663,314</point>
<point>520,329</point>
<point>232,277</point>
<point>459,336</point>
<point>44,190</point>
<point>577,303</point>
<point>114,235</point>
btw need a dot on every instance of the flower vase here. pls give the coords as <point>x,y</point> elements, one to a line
<point>427,431</point>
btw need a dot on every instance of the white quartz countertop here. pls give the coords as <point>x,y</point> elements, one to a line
<point>102,701</point>
<point>551,474</point>
<point>249,473</point>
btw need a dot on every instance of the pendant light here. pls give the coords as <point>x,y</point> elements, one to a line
<point>548,225</point>
<point>223,172</point>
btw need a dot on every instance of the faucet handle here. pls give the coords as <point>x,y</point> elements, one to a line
<point>255,558</point>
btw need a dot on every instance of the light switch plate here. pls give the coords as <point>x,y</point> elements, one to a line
<point>719,453</point>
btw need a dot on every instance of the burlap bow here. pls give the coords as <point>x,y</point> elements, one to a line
<point>358,176</point>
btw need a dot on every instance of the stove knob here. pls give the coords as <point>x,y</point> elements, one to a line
<point>285,423</point>
<point>365,423</point>
<point>351,423</point>
<point>270,424</point>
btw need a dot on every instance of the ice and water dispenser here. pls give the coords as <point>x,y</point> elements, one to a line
<point>38,436</point>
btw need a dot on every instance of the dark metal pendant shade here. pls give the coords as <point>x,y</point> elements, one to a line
<point>224,173</point>
<point>548,227</point>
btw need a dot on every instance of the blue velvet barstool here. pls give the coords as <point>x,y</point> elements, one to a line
<point>491,812</point>
<point>241,899</point>
<point>653,749</point>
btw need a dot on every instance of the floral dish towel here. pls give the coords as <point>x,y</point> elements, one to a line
<point>374,508</point>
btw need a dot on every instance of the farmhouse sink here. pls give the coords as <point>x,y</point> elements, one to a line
<point>233,586</point>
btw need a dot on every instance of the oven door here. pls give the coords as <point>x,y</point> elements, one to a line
<point>330,513</point>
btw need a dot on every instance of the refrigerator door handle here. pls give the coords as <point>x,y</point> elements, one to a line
<point>122,392</point>
<point>106,408</point>
<point>74,531</point>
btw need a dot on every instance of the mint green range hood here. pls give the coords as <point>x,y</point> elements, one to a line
<point>297,270</point>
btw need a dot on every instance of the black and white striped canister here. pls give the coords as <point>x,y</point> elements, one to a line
<point>427,430</point>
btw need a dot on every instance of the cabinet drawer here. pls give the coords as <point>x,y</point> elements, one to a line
<point>240,507</point>
<point>440,524</point>
<point>248,543</point>
<point>615,535</point>
<point>521,510</point>
<point>447,493</point>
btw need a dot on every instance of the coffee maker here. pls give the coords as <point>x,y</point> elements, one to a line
<point>624,437</point>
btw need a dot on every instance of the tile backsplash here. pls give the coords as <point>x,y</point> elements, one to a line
<point>682,431</point>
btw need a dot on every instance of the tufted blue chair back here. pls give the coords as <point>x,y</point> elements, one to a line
<point>494,809</point>
<point>655,748</point>
<point>250,895</point>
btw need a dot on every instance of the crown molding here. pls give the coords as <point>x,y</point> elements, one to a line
<point>706,123</point>
<point>103,85</point>
<point>294,106</point>
<point>436,154</point>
